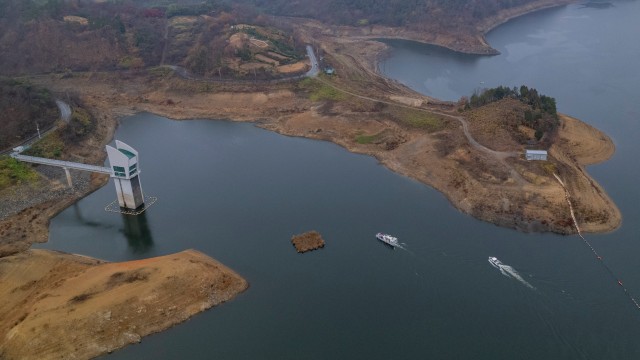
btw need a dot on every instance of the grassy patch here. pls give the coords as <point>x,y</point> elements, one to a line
<point>81,298</point>
<point>319,91</point>
<point>51,146</point>
<point>14,172</point>
<point>420,119</point>
<point>367,139</point>
<point>549,167</point>
<point>160,72</point>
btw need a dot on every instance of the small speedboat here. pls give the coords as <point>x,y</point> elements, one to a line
<point>388,239</point>
<point>495,262</point>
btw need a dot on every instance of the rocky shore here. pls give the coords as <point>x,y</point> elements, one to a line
<point>51,185</point>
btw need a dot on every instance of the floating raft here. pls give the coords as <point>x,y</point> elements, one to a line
<point>307,242</point>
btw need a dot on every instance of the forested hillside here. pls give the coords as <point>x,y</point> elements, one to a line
<point>22,106</point>
<point>40,36</point>
<point>539,112</point>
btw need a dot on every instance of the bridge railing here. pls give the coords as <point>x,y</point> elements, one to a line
<point>61,163</point>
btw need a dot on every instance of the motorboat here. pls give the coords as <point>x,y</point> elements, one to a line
<point>388,239</point>
<point>495,262</point>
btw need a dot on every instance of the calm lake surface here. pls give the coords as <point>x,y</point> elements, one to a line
<point>238,193</point>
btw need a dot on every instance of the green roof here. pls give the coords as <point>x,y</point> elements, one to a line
<point>128,153</point>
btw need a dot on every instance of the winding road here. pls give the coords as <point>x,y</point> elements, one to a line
<point>65,115</point>
<point>315,67</point>
<point>65,110</point>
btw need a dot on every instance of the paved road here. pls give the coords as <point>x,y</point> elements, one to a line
<point>65,114</point>
<point>315,67</point>
<point>65,110</point>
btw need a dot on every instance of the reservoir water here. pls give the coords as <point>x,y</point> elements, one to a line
<point>238,193</point>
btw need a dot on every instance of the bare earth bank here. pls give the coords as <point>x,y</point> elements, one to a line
<point>56,305</point>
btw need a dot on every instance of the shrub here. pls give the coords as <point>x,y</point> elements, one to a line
<point>80,125</point>
<point>14,172</point>
<point>50,146</point>
<point>367,139</point>
<point>319,91</point>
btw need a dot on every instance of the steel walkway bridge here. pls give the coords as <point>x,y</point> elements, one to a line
<point>62,164</point>
<point>66,165</point>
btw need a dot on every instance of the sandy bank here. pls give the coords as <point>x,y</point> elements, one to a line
<point>57,305</point>
<point>581,144</point>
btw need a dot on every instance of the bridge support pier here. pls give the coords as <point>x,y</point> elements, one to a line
<point>66,171</point>
<point>124,170</point>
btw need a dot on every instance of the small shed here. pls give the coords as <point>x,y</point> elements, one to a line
<point>536,154</point>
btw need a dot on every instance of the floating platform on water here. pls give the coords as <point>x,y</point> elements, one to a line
<point>308,241</point>
<point>115,207</point>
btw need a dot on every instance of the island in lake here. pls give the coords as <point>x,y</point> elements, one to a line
<point>251,68</point>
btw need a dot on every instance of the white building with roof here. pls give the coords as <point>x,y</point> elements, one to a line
<point>535,155</point>
<point>123,160</point>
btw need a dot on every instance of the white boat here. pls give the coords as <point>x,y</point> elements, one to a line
<point>388,239</point>
<point>495,262</point>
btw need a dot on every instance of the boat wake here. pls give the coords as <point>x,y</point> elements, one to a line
<point>508,271</point>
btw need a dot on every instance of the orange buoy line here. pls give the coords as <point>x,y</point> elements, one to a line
<point>598,257</point>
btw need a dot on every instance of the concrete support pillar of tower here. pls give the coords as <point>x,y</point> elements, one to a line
<point>66,172</point>
<point>126,175</point>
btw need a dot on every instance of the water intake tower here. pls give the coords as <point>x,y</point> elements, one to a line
<point>126,175</point>
<point>124,169</point>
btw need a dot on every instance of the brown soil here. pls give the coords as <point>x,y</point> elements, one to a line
<point>267,59</point>
<point>493,124</point>
<point>582,144</point>
<point>239,40</point>
<point>67,306</point>
<point>293,68</point>
<point>308,241</point>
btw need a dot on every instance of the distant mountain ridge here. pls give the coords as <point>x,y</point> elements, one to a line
<point>414,14</point>
<point>41,36</point>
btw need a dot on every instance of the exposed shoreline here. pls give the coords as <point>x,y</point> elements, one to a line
<point>500,20</point>
<point>58,305</point>
<point>472,43</point>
